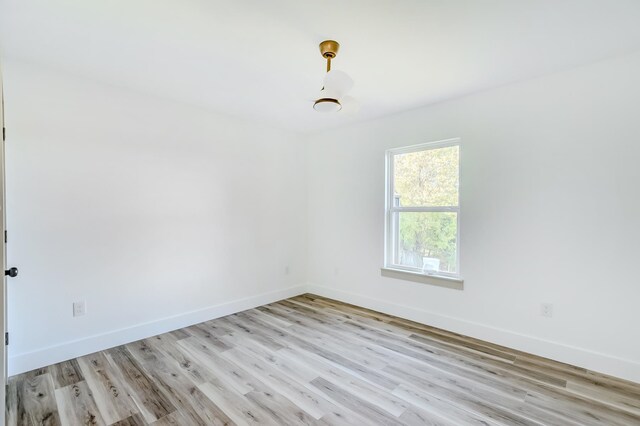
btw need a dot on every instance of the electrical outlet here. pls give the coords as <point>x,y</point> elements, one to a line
<point>79,309</point>
<point>546,310</point>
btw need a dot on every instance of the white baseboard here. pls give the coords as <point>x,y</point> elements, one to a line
<point>21,363</point>
<point>594,361</point>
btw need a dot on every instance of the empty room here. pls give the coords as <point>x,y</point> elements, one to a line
<point>410,212</point>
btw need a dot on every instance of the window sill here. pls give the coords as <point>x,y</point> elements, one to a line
<point>438,280</point>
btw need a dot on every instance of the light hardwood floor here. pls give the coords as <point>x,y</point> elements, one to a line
<point>311,360</point>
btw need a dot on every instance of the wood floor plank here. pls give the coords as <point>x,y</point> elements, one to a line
<point>66,373</point>
<point>355,310</point>
<point>279,373</point>
<point>240,410</point>
<point>280,409</point>
<point>477,398</point>
<point>347,347</point>
<point>135,420</point>
<point>501,414</point>
<point>165,371</point>
<point>338,359</point>
<point>36,401</point>
<point>227,386</point>
<point>252,332</point>
<point>446,368</point>
<point>503,380</point>
<point>533,374</point>
<point>231,365</point>
<point>110,395</point>
<point>353,402</point>
<point>269,319</point>
<point>367,391</point>
<point>296,373</point>
<point>516,392</point>
<point>311,403</point>
<point>149,398</point>
<point>209,412</point>
<point>295,369</point>
<point>418,348</point>
<point>310,360</point>
<point>203,333</point>
<point>621,401</point>
<point>439,409</point>
<point>343,418</point>
<point>455,339</point>
<point>585,410</point>
<point>619,393</point>
<point>235,377</point>
<point>394,355</point>
<point>77,406</point>
<point>168,340</point>
<point>417,417</point>
<point>13,402</point>
<point>342,316</point>
<point>187,363</point>
<point>195,408</point>
<point>176,418</point>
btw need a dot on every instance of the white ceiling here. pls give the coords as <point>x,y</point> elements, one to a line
<point>259,59</point>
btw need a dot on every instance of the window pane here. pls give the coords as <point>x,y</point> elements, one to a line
<point>426,178</point>
<point>427,240</point>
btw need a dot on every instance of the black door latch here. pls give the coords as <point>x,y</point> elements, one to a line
<point>12,272</point>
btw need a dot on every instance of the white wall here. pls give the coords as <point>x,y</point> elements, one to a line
<point>155,213</point>
<point>550,201</point>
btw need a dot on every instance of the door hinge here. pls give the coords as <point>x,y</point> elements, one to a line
<point>6,338</point>
<point>4,134</point>
<point>5,236</point>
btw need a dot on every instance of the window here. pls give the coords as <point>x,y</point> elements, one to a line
<point>423,210</point>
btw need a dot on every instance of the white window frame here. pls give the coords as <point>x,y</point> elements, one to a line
<point>391,210</point>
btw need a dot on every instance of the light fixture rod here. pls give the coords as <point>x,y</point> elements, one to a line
<point>328,63</point>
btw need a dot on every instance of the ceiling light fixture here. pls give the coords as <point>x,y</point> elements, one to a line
<point>333,97</point>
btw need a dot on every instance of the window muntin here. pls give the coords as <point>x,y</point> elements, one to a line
<point>422,228</point>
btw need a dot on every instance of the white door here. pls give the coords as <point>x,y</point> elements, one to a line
<point>3,261</point>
